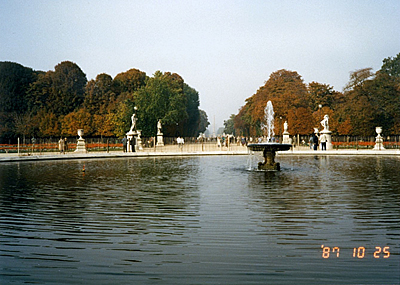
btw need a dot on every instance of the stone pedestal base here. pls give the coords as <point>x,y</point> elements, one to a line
<point>328,135</point>
<point>378,143</point>
<point>286,138</point>
<point>160,140</point>
<point>139,143</point>
<point>269,161</point>
<point>80,146</point>
<point>131,141</point>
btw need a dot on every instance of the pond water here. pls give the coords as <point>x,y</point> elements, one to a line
<point>201,220</point>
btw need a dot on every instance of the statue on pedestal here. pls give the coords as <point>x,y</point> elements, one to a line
<point>286,136</point>
<point>133,118</point>
<point>160,140</point>
<point>326,135</point>
<point>325,123</point>
<point>159,126</point>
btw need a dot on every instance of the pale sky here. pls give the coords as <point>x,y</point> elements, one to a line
<point>225,50</point>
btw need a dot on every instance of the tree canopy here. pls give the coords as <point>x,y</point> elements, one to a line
<point>59,101</point>
<point>368,100</point>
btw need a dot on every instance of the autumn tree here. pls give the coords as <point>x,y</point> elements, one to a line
<point>301,121</point>
<point>126,83</point>
<point>372,100</point>
<point>285,89</point>
<point>357,78</point>
<point>79,119</point>
<point>47,124</point>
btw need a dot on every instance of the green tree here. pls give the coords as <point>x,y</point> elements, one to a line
<point>191,124</point>
<point>391,66</point>
<point>358,107</point>
<point>14,82</point>
<point>203,122</point>
<point>99,95</point>
<point>60,91</point>
<point>121,118</point>
<point>230,125</point>
<point>162,98</point>
<point>324,95</point>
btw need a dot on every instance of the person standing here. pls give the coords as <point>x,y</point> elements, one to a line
<point>323,141</point>
<point>315,139</point>
<point>124,141</point>
<point>61,145</point>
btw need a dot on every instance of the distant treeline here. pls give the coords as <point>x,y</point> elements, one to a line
<point>57,103</point>
<point>369,100</point>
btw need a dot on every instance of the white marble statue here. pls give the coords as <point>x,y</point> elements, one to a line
<point>285,126</point>
<point>159,127</point>
<point>133,118</point>
<point>325,123</point>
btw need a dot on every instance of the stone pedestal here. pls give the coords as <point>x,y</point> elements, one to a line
<point>269,161</point>
<point>328,135</point>
<point>80,145</point>
<point>131,141</point>
<point>286,137</point>
<point>378,143</point>
<point>139,141</point>
<point>160,139</point>
<point>378,139</point>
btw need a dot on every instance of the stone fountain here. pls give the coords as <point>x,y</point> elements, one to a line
<point>269,148</point>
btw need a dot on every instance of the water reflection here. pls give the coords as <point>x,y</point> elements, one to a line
<point>199,220</point>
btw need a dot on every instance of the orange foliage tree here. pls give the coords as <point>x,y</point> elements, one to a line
<point>287,91</point>
<point>48,124</point>
<point>80,119</point>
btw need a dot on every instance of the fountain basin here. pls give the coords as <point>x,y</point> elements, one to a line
<point>269,150</point>
<point>269,146</point>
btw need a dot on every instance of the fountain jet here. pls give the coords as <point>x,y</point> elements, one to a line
<point>269,148</point>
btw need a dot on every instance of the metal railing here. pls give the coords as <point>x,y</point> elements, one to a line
<point>191,144</point>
